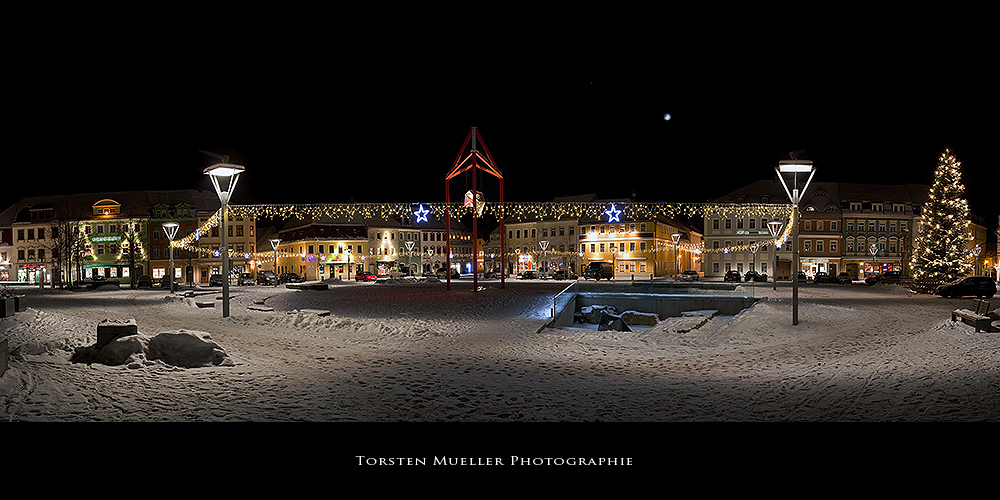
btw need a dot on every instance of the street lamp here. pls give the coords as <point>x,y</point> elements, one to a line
<point>676,237</point>
<point>754,247</point>
<point>544,244</point>
<point>793,168</point>
<point>349,251</point>
<point>873,249</point>
<point>227,174</point>
<point>274,244</point>
<point>975,252</point>
<point>170,229</point>
<point>774,227</point>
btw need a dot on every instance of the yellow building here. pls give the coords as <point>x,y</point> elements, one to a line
<point>638,246</point>
<point>321,249</point>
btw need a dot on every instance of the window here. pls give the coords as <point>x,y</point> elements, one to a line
<point>31,254</point>
<point>239,230</point>
<point>592,246</point>
<point>729,223</point>
<point>642,246</point>
<point>753,224</point>
<point>881,226</point>
<point>855,207</point>
<point>20,255</point>
<point>871,226</point>
<point>41,233</point>
<point>112,228</point>
<point>819,245</point>
<point>20,234</point>
<point>100,229</point>
<point>763,267</point>
<point>877,207</point>
<point>807,245</point>
<point>808,225</point>
<point>518,233</point>
<point>583,247</point>
<point>31,234</point>
<point>715,223</point>
<point>642,227</point>
<point>601,246</point>
<point>41,254</point>
<point>715,244</point>
<point>739,223</point>
<point>715,267</point>
<point>739,267</point>
<point>819,225</point>
<point>545,232</point>
<point>833,245</point>
<point>850,226</point>
<point>729,266</point>
<point>571,229</point>
<point>833,225</point>
<point>532,232</point>
<point>631,246</point>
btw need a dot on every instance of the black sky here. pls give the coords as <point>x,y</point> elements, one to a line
<point>327,123</point>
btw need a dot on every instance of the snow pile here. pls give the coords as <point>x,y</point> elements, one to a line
<point>181,348</point>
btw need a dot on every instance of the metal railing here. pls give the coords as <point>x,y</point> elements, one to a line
<point>562,298</point>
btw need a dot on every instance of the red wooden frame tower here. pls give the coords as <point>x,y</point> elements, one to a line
<point>474,161</point>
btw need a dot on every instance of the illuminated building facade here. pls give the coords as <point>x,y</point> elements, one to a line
<point>324,248</point>
<point>638,246</point>
<point>729,237</point>
<point>886,216</point>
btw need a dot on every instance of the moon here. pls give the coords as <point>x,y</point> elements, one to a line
<point>666,116</point>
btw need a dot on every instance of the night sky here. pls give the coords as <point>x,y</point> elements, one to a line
<point>317,125</point>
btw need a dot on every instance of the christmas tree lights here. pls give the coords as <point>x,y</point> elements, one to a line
<point>940,248</point>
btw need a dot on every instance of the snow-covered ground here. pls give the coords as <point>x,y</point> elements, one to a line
<point>416,352</point>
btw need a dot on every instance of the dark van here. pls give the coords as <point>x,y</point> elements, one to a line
<point>598,270</point>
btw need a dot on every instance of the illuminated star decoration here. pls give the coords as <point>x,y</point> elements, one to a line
<point>421,214</point>
<point>613,213</point>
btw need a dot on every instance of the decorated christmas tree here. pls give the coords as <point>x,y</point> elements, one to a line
<point>940,249</point>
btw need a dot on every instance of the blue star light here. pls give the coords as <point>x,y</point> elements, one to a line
<point>613,213</point>
<point>421,214</point>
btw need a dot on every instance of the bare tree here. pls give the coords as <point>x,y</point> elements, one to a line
<point>132,248</point>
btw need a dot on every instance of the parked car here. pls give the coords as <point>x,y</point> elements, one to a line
<point>887,277</point>
<point>365,276</point>
<point>980,286</point>
<point>802,277</point>
<point>441,274</point>
<point>845,278</point>
<point>822,277</point>
<point>144,280</point>
<point>245,279</point>
<point>215,280</point>
<point>564,274</point>
<point>598,270</point>
<point>266,278</point>
<point>754,276</point>
<point>689,275</point>
<point>527,275</point>
<point>289,278</point>
<point>733,276</point>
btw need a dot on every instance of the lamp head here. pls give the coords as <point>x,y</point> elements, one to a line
<point>795,166</point>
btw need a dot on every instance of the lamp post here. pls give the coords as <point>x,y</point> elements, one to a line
<point>170,229</point>
<point>274,244</point>
<point>676,237</point>
<point>794,167</point>
<point>754,247</point>
<point>227,174</point>
<point>774,227</point>
<point>975,252</point>
<point>545,245</point>
<point>873,249</point>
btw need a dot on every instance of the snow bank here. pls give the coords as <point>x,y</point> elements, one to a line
<point>181,348</point>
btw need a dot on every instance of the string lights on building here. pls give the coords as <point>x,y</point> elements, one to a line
<point>512,211</point>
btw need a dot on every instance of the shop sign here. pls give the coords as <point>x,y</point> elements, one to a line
<point>106,238</point>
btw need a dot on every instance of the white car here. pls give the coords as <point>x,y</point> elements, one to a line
<point>688,276</point>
